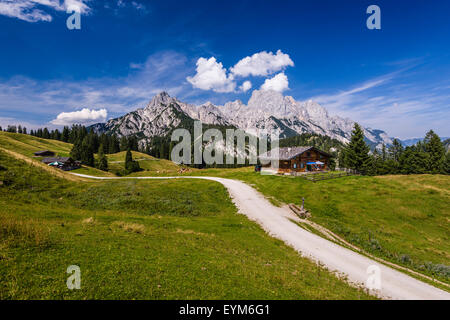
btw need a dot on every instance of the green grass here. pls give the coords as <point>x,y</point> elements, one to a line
<point>27,145</point>
<point>404,219</point>
<point>135,239</point>
<point>149,165</point>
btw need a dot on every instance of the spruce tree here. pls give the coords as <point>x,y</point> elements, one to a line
<point>395,150</point>
<point>128,160</point>
<point>383,152</point>
<point>124,144</point>
<point>413,161</point>
<point>45,134</point>
<point>436,151</point>
<point>356,154</point>
<point>102,161</point>
<point>447,163</point>
<point>130,165</point>
<point>87,153</point>
<point>75,153</point>
<point>65,134</point>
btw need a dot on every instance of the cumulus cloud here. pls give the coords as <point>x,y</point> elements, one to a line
<point>211,75</point>
<point>31,10</point>
<point>262,64</point>
<point>278,83</point>
<point>247,85</point>
<point>84,116</point>
<point>40,101</point>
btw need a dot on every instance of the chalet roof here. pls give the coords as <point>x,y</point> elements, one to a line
<point>62,160</point>
<point>44,152</point>
<point>288,153</point>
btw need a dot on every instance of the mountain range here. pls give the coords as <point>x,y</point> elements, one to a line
<point>266,110</point>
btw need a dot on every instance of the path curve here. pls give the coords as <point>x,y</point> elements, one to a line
<point>277,222</point>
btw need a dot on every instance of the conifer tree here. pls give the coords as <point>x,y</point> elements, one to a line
<point>102,161</point>
<point>130,165</point>
<point>87,153</point>
<point>447,163</point>
<point>65,134</point>
<point>395,151</point>
<point>356,154</point>
<point>124,144</point>
<point>45,134</point>
<point>436,151</point>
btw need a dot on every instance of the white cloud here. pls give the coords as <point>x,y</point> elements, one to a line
<point>30,10</point>
<point>403,108</point>
<point>211,75</point>
<point>262,64</point>
<point>84,116</point>
<point>138,6</point>
<point>278,83</point>
<point>247,85</point>
<point>40,101</point>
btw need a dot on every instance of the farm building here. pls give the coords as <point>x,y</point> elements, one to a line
<point>298,159</point>
<point>64,163</point>
<point>44,153</point>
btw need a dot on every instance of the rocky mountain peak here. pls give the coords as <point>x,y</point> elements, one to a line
<point>266,110</point>
<point>162,98</point>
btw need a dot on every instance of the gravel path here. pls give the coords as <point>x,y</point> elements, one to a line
<point>277,222</point>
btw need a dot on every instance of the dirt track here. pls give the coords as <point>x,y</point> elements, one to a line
<point>277,222</point>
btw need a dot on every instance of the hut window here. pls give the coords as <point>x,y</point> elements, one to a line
<point>301,165</point>
<point>295,166</point>
<point>308,154</point>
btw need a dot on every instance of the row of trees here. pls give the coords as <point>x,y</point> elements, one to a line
<point>15,129</point>
<point>87,143</point>
<point>427,156</point>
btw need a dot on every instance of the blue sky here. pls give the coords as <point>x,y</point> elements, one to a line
<point>396,79</point>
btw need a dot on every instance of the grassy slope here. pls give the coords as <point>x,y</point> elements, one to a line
<point>142,239</point>
<point>404,219</point>
<point>149,165</point>
<point>26,145</point>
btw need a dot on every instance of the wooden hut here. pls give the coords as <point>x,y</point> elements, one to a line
<point>297,159</point>
<point>64,163</point>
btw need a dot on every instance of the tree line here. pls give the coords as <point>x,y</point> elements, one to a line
<point>427,156</point>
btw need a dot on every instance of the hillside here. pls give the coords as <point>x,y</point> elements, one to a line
<point>26,145</point>
<point>401,218</point>
<point>149,164</point>
<point>142,240</point>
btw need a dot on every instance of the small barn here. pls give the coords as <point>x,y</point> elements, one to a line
<point>63,163</point>
<point>44,153</point>
<point>298,159</point>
